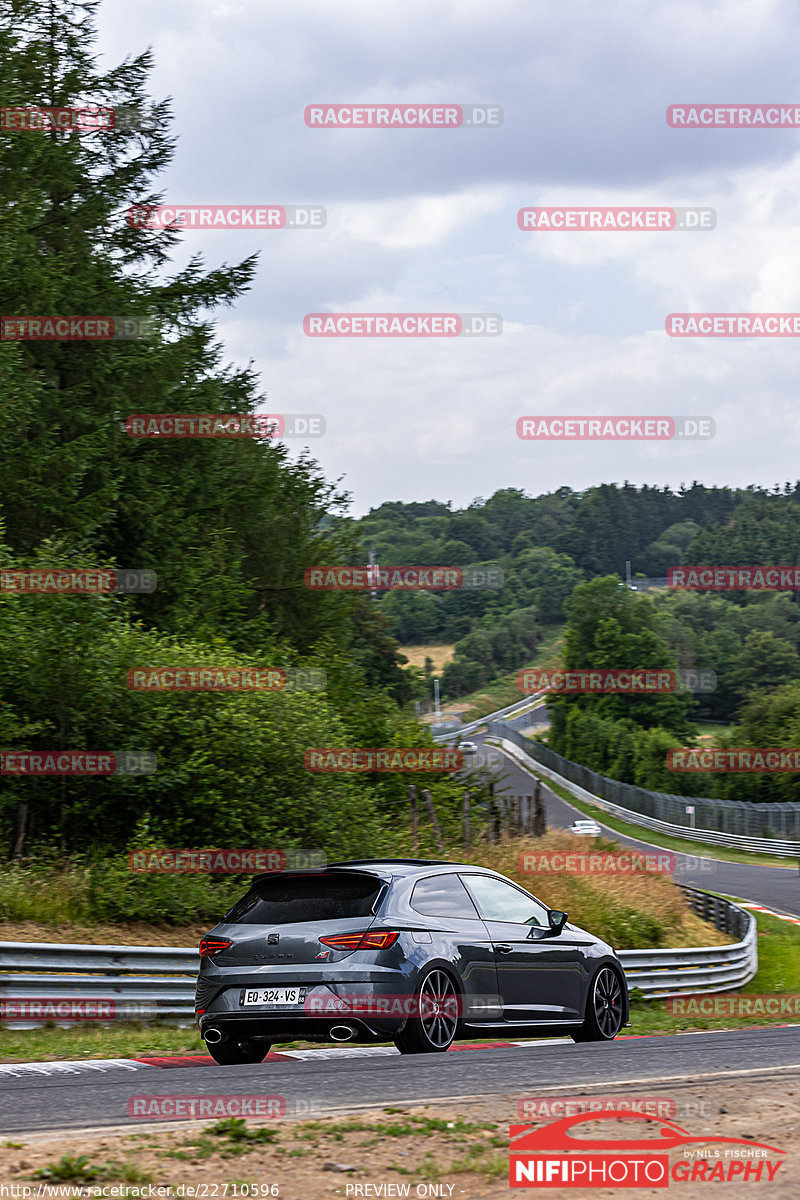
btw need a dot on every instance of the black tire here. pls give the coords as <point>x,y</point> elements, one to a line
<point>604,1009</point>
<point>230,1053</point>
<point>433,1031</point>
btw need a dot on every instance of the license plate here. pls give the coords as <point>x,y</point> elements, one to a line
<point>272,997</point>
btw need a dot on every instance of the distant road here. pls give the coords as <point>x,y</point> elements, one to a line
<point>774,887</point>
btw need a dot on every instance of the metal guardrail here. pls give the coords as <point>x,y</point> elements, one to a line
<point>158,982</point>
<point>512,710</point>
<point>129,982</point>
<point>555,766</point>
<point>662,973</point>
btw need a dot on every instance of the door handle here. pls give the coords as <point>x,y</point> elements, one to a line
<point>504,948</point>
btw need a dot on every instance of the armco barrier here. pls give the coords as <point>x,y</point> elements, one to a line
<point>743,822</point>
<point>157,982</point>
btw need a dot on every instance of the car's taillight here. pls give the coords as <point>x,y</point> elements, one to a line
<point>372,939</point>
<point>212,945</point>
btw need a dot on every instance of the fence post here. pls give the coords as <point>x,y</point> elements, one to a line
<point>22,824</point>
<point>539,820</point>
<point>426,796</point>
<point>412,806</point>
<point>467,825</point>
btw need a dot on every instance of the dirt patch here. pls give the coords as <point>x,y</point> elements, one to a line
<point>440,653</point>
<point>459,1147</point>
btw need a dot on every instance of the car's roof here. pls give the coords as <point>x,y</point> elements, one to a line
<point>398,866</point>
<point>386,868</point>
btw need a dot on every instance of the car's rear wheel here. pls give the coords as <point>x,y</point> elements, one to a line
<point>434,1029</point>
<point>603,1018</point>
<point>229,1052</point>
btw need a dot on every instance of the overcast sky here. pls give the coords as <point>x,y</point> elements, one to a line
<point>426,221</point>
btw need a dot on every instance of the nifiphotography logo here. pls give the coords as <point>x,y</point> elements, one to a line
<point>558,1156</point>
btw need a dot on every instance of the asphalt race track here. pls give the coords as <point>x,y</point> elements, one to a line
<point>31,1103</point>
<point>326,1084</point>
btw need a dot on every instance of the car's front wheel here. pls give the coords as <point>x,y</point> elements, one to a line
<point>229,1052</point>
<point>603,1018</point>
<point>434,1028</point>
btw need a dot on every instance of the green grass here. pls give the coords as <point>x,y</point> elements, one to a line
<point>93,1040</point>
<point>716,730</point>
<point>87,889</point>
<point>778,974</point>
<point>77,1169</point>
<point>685,845</point>
<point>504,690</point>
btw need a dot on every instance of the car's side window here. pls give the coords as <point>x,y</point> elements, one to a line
<point>443,896</point>
<point>499,901</point>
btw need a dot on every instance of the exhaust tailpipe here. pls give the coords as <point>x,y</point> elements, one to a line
<point>213,1036</point>
<point>342,1033</point>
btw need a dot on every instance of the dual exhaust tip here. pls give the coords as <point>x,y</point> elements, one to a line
<point>338,1033</point>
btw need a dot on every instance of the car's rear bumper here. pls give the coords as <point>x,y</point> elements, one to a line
<point>374,1010</point>
<point>284,1027</point>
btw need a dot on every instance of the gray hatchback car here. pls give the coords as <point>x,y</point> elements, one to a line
<point>419,952</point>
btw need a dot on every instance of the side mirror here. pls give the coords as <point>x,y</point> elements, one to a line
<point>557,921</point>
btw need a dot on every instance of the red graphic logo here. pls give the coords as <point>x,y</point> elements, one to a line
<point>552,1156</point>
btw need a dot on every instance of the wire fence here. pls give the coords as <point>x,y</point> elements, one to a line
<point>771,822</point>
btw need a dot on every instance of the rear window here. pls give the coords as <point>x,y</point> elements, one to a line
<point>283,901</point>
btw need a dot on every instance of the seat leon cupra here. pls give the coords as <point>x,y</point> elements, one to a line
<point>417,952</point>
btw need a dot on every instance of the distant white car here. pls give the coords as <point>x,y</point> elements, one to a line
<point>469,747</point>
<point>586,828</point>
